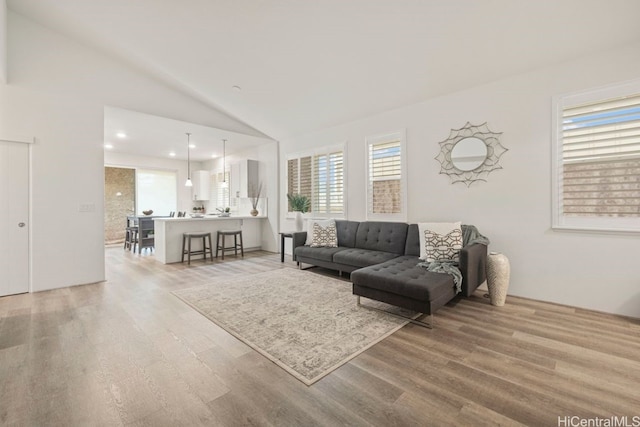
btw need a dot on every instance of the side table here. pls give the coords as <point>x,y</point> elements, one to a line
<point>284,235</point>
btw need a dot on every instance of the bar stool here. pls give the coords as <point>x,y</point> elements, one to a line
<point>196,235</point>
<point>131,238</point>
<point>235,234</point>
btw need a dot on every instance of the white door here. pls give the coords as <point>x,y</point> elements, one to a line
<point>14,215</point>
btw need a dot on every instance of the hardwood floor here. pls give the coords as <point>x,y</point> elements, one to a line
<point>127,352</point>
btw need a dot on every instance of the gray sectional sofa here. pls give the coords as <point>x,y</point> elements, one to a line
<point>383,259</point>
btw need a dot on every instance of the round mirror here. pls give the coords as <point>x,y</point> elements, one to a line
<point>468,154</point>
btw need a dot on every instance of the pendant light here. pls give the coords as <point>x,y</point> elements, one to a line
<point>225,184</point>
<point>188,183</point>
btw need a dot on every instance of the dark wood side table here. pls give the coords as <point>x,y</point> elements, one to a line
<point>282,237</point>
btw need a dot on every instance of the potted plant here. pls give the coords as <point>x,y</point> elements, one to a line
<point>254,196</point>
<point>299,204</point>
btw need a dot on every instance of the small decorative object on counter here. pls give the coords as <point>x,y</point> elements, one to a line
<point>498,273</point>
<point>255,198</point>
<point>148,212</point>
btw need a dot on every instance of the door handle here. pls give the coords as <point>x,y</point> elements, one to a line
<point>21,224</point>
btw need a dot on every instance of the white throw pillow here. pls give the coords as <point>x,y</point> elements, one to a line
<point>324,223</point>
<point>440,241</point>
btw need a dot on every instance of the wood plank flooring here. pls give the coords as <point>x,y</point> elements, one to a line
<point>127,352</point>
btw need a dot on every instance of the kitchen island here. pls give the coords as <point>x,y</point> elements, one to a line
<point>168,233</point>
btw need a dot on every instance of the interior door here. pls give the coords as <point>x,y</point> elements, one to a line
<point>14,216</point>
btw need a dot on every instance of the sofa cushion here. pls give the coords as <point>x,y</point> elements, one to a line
<point>382,236</point>
<point>322,254</point>
<point>413,241</point>
<point>347,232</point>
<point>402,276</point>
<point>361,257</point>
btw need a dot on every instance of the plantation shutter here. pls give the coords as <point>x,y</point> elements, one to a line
<point>292,177</point>
<point>601,158</point>
<point>306,177</point>
<point>319,175</point>
<point>328,183</point>
<point>385,177</point>
<point>222,191</point>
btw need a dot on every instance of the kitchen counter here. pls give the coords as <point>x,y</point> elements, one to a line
<point>168,233</point>
<point>208,218</point>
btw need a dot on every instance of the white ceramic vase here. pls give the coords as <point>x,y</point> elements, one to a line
<point>498,272</point>
<point>299,221</point>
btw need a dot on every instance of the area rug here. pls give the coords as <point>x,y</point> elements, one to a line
<point>306,323</point>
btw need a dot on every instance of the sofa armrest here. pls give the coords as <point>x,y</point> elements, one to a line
<point>473,262</point>
<point>299,239</point>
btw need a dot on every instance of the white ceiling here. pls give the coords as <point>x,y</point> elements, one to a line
<point>154,136</point>
<point>304,65</point>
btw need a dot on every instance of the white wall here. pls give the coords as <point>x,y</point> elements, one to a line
<point>56,92</point>
<point>3,41</point>
<point>513,208</point>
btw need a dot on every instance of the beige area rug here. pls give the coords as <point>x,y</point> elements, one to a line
<point>306,323</point>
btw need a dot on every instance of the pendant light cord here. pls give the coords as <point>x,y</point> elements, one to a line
<point>224,159</point>
<point>188,156</point>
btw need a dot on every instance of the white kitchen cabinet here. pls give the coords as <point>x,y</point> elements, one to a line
<point>244,178</point>
<point>201,189</point>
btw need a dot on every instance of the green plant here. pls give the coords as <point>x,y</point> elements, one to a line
<point>299,202</point>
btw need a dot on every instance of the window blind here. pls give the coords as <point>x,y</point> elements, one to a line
<point>320,177</point>
<point>292,177</point>
<point>328,179</point>
<point>385,177</point>
<point>222,191</point>
<point>306,178</point>
<point>601,158</point>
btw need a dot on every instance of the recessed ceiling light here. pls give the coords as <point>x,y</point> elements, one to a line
<point>192,145</point>
<point>172,154</point>
<point>108,146</point>
<point>236,88</point>
<point>214,155</point>
<point>121,135</point>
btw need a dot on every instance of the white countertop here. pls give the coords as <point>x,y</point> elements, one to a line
<point>209,218</point>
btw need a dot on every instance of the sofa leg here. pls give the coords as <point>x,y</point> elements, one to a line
<point>428,325</point>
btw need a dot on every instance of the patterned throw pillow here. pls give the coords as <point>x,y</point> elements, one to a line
<point>311,222</point>
<point>440,241</point>
<point>326,237</point>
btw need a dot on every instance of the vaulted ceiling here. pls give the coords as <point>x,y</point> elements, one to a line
<point>303,65</point>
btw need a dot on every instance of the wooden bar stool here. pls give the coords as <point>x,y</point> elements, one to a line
<point>196,235</point>
<point>235,234</point>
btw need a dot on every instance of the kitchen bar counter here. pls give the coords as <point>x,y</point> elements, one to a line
<point>168,233</point>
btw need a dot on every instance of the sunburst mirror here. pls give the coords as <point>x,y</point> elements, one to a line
<point>470,153</point>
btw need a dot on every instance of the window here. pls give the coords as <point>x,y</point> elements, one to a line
<point>156,190</point>
<point>386,180</point>
<point>319,176</point>
<point>221,186</point>
<point>597,160</point>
